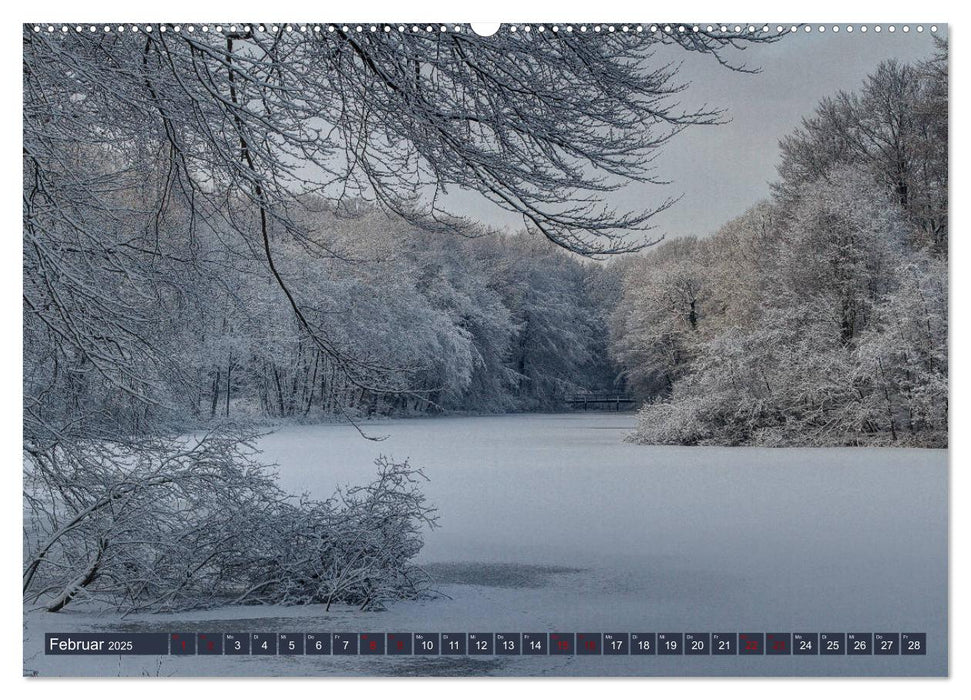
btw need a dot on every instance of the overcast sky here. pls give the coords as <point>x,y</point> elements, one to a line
<point>723,170</point>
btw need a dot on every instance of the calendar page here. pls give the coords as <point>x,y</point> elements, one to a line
<point>437,349</point>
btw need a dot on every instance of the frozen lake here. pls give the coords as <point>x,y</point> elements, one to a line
<point>553,523</point>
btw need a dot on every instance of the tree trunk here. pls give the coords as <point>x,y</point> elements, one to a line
<point>229,378</point>
<point>313,385</point>
<point>279,391</point>
<point>215,393</point>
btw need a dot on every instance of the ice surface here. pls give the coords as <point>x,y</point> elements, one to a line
<point>553,523</point>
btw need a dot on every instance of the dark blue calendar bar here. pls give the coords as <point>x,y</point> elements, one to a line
<point>101,643</point>
<point>487,643</point>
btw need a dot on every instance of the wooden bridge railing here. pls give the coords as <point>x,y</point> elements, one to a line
<point>601,401</point>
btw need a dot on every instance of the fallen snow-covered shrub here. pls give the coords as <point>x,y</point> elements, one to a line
<point>163,526</point>
<point>355,547</point>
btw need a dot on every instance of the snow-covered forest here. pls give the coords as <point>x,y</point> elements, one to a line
<point>818,317</point>
<point>225,224</point>
<point>471,323</point>
<point>231,230</point>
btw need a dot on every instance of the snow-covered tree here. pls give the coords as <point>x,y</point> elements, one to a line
<point>896,128</point>
<point>656,327</point>
<point>848,345</point>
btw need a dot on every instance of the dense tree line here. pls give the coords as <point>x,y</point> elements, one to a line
<point>819,317</point>
<point>480,324</point>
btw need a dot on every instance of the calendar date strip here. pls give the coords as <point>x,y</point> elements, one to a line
<point>486,643</point>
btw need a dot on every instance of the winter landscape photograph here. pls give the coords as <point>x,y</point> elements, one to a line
<point>406,329</point>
